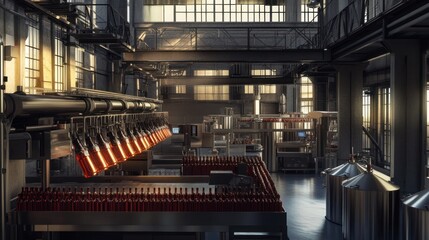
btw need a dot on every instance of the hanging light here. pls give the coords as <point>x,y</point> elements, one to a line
<point>313,3</point>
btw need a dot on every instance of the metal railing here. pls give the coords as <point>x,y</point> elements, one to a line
<point>225,38</point>
<point>101,19</point>
<point>357,14</point>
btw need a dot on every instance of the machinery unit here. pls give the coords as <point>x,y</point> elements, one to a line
<point>101,131</point>
<point>281,137</point>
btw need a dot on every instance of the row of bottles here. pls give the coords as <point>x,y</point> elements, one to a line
<point>193,165</point>
<point>95,154</point>
<point>177,200</point>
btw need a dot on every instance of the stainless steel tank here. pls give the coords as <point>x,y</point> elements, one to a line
<point>334,190</point>
<point>416,215</point>
<point>269,140</point>
<point>370,208</point>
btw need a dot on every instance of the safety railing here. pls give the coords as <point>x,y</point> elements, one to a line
<point>224,38</point>
<point>102,19</point>
<point>357,14</point>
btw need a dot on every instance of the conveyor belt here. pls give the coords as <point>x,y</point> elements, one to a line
<point>147,207</point>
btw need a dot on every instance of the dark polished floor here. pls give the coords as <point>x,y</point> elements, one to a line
<point>303,197</point>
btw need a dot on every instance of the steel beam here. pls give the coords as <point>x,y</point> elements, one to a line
<point>286,56</point>
<point>224,80</point>
<point>215,25</point>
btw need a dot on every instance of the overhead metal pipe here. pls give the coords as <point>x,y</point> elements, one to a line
<point>17,105</point>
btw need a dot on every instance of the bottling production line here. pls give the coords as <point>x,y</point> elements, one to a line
<point>101,130</point>
<point>100,141</point>
<point>332,87</point>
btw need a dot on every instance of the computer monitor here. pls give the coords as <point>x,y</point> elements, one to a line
<point>175,130</point>
<point>302,134</point>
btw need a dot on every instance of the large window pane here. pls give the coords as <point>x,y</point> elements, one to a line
<point>306,95</point>
<point>220,11</point>
<point>32,58</point>
<point>211,92</point>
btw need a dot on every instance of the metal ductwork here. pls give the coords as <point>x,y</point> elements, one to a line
<point>17,105</point>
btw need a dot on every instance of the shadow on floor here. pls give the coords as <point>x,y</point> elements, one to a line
<point>303,197</point>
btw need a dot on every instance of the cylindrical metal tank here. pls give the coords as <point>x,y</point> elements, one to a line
<point>226,121</point>
<point>269,140</point>
<point>416,215</point>
<point>370,208</point>
<point>334,190</point>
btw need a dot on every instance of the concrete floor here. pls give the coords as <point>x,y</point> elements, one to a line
<point>303,197</point>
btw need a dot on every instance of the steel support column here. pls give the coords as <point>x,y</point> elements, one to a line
<point>46,173</point>
<point>320,93</point>
<point>349,88</point>
<point>407,91</point>
<point>117,78</point>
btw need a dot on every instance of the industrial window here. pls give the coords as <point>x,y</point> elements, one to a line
<point>91,73</point>
<point>210,73</point>
<point>32,56</point>
<point>308,14</point>
<point>264,72</point>
<point>214,11</point>
<point>59,61</point>
<point>268,89</point>
<point>85,68</point>
<point>366,119</point>
<point>249,89</point>
<point>306,95</point>
<point>264,89</point>
<point>180,89</point>
<point>384,126</point>
<point>79,66</point>
<point>211,92</point>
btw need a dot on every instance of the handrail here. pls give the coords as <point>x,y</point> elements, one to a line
<point>245,38</point>
<point>110,22</point>
<point>354,16</point>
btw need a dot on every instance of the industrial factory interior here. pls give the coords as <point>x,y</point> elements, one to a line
<point>214,119</point>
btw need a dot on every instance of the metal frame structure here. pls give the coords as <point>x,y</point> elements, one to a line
<point>160,37</point>
<point>92,27</point>
<point>356,35</point>
<point>355,15</point>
